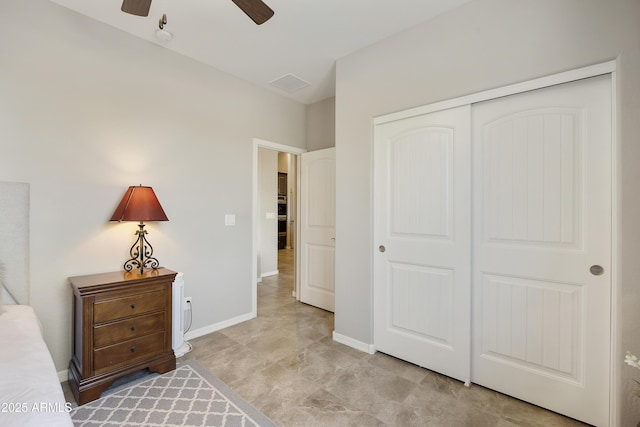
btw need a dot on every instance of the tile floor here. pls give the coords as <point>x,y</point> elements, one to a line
<point>286,364</point>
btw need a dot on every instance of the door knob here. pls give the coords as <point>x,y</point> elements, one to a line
<point>596,270</point>
<point>381,248</point>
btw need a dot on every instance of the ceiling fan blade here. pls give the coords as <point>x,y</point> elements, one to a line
<point>136,7</point>
<point>255,9</point>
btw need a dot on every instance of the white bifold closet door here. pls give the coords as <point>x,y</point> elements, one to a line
<point>542,247</point>
<point>492,244</point>
<point>422,291</point>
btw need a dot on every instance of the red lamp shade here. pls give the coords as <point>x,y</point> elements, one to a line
<point>139,204</point>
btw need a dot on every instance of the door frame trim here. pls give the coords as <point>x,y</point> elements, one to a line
<point>270,145</point>
<point>608,67</point>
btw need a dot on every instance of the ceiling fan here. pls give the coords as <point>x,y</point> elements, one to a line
<point>255,9</point>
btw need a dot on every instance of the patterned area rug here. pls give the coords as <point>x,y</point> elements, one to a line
<point>188,396</point>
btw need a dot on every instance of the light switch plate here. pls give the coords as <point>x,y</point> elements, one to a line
<point>229,219</point>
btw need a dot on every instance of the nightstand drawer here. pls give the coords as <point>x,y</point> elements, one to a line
<point>127,329</point>
<point>128,306</point>
<point>128,352</point>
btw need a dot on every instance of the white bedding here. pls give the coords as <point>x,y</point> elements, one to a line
<point>30,392</point>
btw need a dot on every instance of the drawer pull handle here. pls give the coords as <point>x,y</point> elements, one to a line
<point>132,349</point>
<point>133,306</point>
<point>133,328</point>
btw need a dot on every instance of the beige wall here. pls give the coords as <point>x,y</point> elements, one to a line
<point>481,45</point>
<point>87,110</point>
<point>321,124</point>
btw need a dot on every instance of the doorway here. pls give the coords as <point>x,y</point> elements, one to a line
<point>266,214</point>
<point>311,198</point>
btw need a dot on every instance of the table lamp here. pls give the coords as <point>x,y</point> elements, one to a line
<point>140,204</point>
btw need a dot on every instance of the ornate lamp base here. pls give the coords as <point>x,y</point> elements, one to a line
<point>141,253</point>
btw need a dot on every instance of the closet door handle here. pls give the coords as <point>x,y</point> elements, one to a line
<point>381,248</point>
<point>596,270</point>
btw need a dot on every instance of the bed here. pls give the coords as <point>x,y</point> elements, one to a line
<point>30,391</point>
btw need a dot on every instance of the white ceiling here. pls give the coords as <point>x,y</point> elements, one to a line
<point>303,38</point>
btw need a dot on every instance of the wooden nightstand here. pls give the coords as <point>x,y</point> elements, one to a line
<point>121,324</point>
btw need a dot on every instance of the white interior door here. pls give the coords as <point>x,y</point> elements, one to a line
<point>422,240</point>
<point>542,219</point>
<point>317,228</point>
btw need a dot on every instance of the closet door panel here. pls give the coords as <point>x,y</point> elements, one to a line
<point>422,291</point>
<point>542,218</point>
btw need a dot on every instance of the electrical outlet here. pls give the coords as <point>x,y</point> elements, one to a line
<point>187,301</point>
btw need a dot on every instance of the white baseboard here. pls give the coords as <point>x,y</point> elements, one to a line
<point>358,345</point>
<point>217,326</point>
<point>270,273</point>
<point>63,376</point>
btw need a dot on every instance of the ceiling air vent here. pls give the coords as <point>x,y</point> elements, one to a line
<point>289,83</point>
